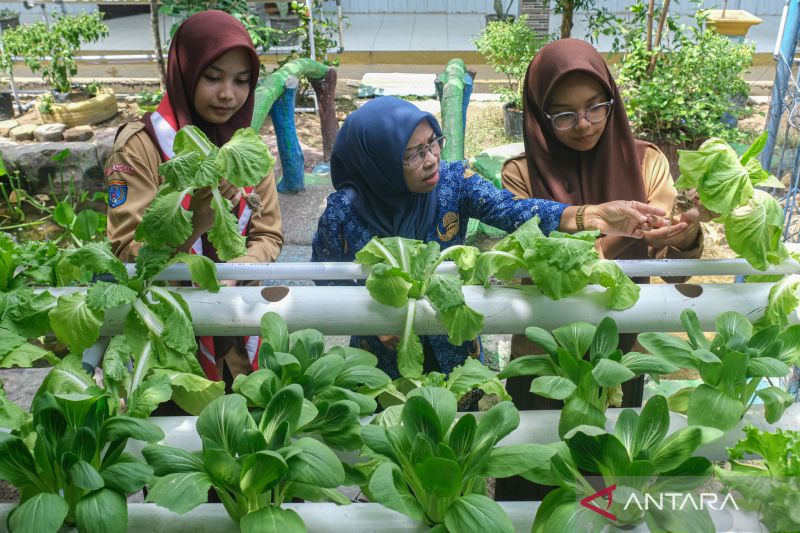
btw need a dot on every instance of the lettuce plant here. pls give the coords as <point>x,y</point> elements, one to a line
<point>158,336</point>
<point>560,265</point>
<point>587,386</point>
<point>638,458</point>
<point>783,300</point>
<point>725,183</point>
<point>732,366</point>
<point>243,161</point>
<point>339,385</point>
<point>402,272</point>
<point>430,469</point>
<point>69,464</point>
<point>254,462</point>
<point>772,487</point>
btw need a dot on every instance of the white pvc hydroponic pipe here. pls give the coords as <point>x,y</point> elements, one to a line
<point>351,311</point>
<point>358,517</point>
<point>534,427</point>
<point>334,271</point>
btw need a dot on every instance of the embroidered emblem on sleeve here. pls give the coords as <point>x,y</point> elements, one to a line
<point>117,192</point>
<point>450,226</point>
<point>119,167</point>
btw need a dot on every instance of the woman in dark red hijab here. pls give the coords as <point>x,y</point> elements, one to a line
<point>212,71</point>
<point>579,149</point>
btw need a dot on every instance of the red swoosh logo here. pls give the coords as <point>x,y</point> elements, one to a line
<point>586,502</point>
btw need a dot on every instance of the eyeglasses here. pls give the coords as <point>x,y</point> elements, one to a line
<point>435,147</point>
<point>568,119</point>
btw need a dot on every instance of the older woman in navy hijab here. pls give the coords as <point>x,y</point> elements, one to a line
<point>389,182</point>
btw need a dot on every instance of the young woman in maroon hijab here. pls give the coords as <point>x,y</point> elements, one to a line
<point>212,71</point>
<point>579,149</point>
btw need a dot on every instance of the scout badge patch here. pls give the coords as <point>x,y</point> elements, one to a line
<point>117,192</point>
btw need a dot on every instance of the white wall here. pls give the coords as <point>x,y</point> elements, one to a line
<point>757,7</point>
<point>423,6</point>
<point>34,14</point>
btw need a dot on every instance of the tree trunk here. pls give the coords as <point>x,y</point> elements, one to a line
<point>566,19</point>
<point>650,10</point>
<point>657,42</point>
<point>162,71</point>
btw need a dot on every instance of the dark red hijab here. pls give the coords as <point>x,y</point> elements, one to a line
<point>200,40</point>
<point>612,170</point>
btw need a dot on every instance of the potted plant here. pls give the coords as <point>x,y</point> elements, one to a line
<point>731,22</point>
<point>509,46</point>
<point>285,21</point>
<point>50,51</point>
<point>9,18</point>
<point>499,12</point>
<point>665,106</point>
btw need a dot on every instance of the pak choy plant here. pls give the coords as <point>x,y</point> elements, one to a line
<point>560,265</point>
<point>338,385</point>
<point>255,461</point>
<point>434,470</point>
<point>639,458</point>
<point>584,367</point>
<point>771,486</point>
<point>725,183</point>
<point>243,161</point>
<point>732,366</point>
<point>402,272</point>
<point>158,337</point>
<point>69,465</point>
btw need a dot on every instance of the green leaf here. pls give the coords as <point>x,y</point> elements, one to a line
<point>513,460</point>
<point>472,373</point>
<point>439,477</point>
<point>179,172</point>
<point>223,422</point>
<point>67,376</point>
<point>461,436</point>
<point>543,338</point>
<point>64,215</point>
<point>151,393</point>
<point>462,322</point>
<point>783,300</point>
<point>622,293</point>
<point>605,340</point>
<point>261,471</point>
<point>356,376</point>
<point>192,393</point>
<point>693,330</point>
<point>443,403</point>
<point>202,270</point>
<point>554,387</point>
<point>389,285</point>
<point>224,235</point>
<point>285,406</point>
<point>99,259</point>
<point>754,149</point>
<point>103,295</point>
<point>165,222</point>
<point>652,425</point>
<point>17,465</point>
<point>712,408</point>
<point>767,367</point>
<point>180,492</point>
<point>495,424</point>
<point>409,354</point>
<point>127,477</point>
<point>23,355</point>
<point>419,417</point>
<point>755,231</point>
<point>274,332</point>
<point>192,139</point>
<point>103,511</point>
<point>529,365</point>
<point>84,476</point>
<point>168,460</point>
<point>575,337</point>
<point>676,351</point>
<point>316,465</point>
<point>776,401</point>
<point>609,373</point>
<point>75,323</point>
<point>680,445</point>
<point>151,260</point>
<point>125,427</point>
<point>388,488</point>
<point>496,263</point>
<point>579,412</point>
<point>245,160</point>
<point>44,512</point>
<point>86,225</point>
<point>475,512</point>
<point>271,519</point>
<point>642,363</point>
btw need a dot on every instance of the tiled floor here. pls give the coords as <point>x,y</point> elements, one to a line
<point>394,32</point>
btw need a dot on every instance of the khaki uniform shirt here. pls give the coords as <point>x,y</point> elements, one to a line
<point>134,164</point>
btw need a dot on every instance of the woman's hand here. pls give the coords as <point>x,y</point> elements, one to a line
<point>389,341</point>
<point>624,217</point>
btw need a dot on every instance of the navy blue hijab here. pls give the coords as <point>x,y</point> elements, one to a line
<point>367,162</point>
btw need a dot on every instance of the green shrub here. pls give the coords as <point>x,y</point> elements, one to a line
<point>50,50</point>
<point>509,47</point>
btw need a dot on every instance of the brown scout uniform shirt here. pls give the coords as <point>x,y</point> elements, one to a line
<point>135,160</point>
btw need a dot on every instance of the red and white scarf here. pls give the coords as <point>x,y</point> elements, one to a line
<point>165,126</point>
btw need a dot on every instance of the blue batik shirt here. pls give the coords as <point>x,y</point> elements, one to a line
<point>341,233</point>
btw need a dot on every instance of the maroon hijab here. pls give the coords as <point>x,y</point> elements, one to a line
<point>612,170</point>
<point>200,40</point>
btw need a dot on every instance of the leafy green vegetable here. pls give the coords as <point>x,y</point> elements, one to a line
<point>638,457</point>
<point>403,271</point>
<point>254,461</point>
<point>430,469</point>
<point>588,387</point>
<point>732,366</point>
<point>725,183</point>
<point>243,161</point>
<point>770,488</point>
<point>77,470</point>
<point>783,300</point>
<point>340,384</point>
